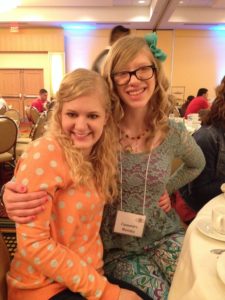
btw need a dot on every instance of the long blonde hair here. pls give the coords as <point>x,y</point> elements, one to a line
<point>102,162</point>
<point>122,53</point>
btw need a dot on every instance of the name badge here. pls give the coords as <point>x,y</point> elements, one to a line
<point>129,223</point>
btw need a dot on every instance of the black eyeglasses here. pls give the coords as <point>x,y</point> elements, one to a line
<point>142,73</point>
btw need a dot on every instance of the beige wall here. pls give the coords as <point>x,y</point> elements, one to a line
<point>27,61</point>
<point>195,58</point>
<point>32,49</point>
<point>32,39</point>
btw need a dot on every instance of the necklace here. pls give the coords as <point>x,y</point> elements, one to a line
<point>134,137</point>
<point>132,143</point>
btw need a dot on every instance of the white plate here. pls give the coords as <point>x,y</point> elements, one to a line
<point>204,225</point>
<point>220,266</point>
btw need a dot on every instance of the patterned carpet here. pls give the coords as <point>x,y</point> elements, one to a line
<point>8,231</point>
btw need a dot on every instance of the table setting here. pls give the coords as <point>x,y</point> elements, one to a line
<point>200,272</point>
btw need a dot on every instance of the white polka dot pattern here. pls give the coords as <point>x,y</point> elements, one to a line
<point>71,218</point>
<point>54,263</point>
<point>37,260</point>
<point>51,147</point>
<point>69,263</point>
<point>91,277</point>
<point>98,293</point>
<point>79,205</point>
<point>39,171</point>
<point>76,279</point>
<point>53,164</point>
<point>61,204</point>
<point>25,181</point>
<point>43,186</point>
<point>30,269</point>
<point>37,155</point>
<point>23,167</point>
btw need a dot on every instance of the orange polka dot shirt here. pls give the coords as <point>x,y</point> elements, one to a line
<point>62,247</point>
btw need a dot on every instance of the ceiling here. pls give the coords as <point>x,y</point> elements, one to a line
<point>151,14</point>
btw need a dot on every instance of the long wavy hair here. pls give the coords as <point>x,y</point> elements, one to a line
<point>122,53</point>
<point>216,115</point>
<point>101,164</point>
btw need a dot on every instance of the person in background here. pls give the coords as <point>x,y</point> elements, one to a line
<point>198,103</point>
<point>211,138</point>
<point>3,103</point>
<point>40,102</point>
<point>116,33</point>
<point>185,105</point>
<point>59,255</point>
<point>144,251</point>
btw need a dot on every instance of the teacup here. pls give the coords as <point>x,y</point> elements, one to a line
<point>218,219</point>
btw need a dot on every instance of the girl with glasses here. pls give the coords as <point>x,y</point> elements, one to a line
<point>142,241</point>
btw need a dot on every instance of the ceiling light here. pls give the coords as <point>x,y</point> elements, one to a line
<point>8,5</point>
<point>141,1</point>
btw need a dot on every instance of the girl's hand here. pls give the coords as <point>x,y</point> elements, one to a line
<point>22,207</point>
<point>164,202</point>
<point>128,295</point>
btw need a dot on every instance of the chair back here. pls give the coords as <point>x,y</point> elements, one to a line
<point>34,114</point>
<point>49,114</point>
<point>4,267</point>
<point>40,126</point>
<point>2,109</point>
<point>13,114</point>
<point>8,133</point>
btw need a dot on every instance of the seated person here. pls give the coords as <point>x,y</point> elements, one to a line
<point>211,138</point>
<point>185,105</point>
<point>198,103</point>
<point>3,103</point>
<point>39,103</point>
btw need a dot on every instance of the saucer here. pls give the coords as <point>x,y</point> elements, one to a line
<point>204,226</point>
<point>220,267</point>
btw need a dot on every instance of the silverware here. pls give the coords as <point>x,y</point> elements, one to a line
<point>217,251</point>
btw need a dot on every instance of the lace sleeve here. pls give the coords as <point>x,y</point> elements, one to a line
<point>192,157</point>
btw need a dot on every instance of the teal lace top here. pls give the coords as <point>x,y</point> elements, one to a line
<point>178,144</point>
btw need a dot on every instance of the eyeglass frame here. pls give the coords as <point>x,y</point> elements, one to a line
<point>134,72</point>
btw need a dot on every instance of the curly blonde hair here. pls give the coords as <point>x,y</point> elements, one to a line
<point>122,53</point>
<point>102,162</point>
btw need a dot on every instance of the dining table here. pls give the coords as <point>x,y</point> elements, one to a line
<point>200,272</point>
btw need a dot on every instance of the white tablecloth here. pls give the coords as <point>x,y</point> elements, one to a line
<point>196,276</point>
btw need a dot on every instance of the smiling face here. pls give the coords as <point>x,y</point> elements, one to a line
<point>83,119</point>
<point>137,93</point>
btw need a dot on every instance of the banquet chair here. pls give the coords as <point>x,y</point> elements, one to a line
<point>3,110</point>
<point>27,112</point>
<point>36,132</point>
<point>13,114</point>
<point>40,126</point>
<point>34,115</point>
<point>4,267</point>
<point>8,133</point>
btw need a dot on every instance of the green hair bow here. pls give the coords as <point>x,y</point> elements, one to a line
<point>151,40</point>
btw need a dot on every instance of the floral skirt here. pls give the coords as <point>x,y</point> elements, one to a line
<point>151,270</point>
